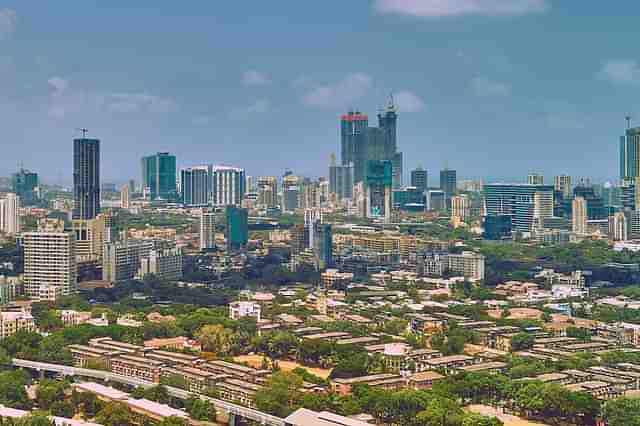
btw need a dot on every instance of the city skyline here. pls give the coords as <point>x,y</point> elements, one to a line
<point>465,92</point>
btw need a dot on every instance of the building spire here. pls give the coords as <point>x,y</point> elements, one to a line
<point>628,118</point>
<point>390,103</point>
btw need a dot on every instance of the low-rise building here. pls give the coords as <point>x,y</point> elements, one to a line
<point>12,322</point>
<point>137,367</point>
<point>243,309</point>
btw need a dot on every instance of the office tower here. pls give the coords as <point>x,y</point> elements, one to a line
<point>228,186</point>
<point>341,179</point>
<point>195,185</point>
<point>310,194</point>
<point>207,229</point>
<point>50,269</point>
<point>159,176</point>
<point>237,228</point>
<point>436,200</point>
<point>24,184</point>
<point>460,207</point>
<point>125,197</point>
<point>91,235</point>
<point>322,245</point>
<point>268,191</point>
<point>420,179</point>
<point>361,143</point>
<point>496,228</point>
<point>409,199</point>
<point>596,209</point>
<point>311,217</point>
<point>10,214</point>
<point>562,184</point>
<point>448,183</point>
<point>579,215</point>
<point>121,259</point>
<point>165,264</point>
<point>618,227</point>
<point>520,202</point>
<point>132,186</point>
<point>535,179</point>
<point>290,193</point>
<point>378,182</point>
<point>86,178</point>
<point>630,154</point>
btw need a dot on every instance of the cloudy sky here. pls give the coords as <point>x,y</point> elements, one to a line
<point>493,88</point>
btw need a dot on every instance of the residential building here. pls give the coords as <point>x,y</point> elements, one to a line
<point>137,367</point>
<point>460,207</point>
<point>125,197</point>
<point>195,185</point>
<point>322,245</point>
<point>86,178</point>
<point>159,176</point>
<point>207,229</point>
<point>121,259</point>
<point>579,215</point>
<point>228,186</point>
<point>268,191</point>
<point>50,267</point>
<point>468,264</point>
<point>535,179</point>
<point>341,179</point>
<point>12,322</point>
<point>618,227</point>
<point>436,200</point>
<point>25,184</point>
<point>166,264</point>
<point>420,179</point>
<point>378,184</point>
<point>243,309</point>
<point>10,214</point>
<point>562,184</point>
<point>10,288</point>
<point>290,193</point>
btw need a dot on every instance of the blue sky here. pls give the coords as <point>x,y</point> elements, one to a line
<point>493,88</point>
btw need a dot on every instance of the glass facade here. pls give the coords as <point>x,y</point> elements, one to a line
<point>237,228</point>
<point>24,184</point>
<point>159,176</point>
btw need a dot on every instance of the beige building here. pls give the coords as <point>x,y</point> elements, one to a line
<point>125,197</point>
<point>460,207</point>
<point>468,264</point>
<point>12,322</point>
<point>207,229</point>
<point>165,264</point>
<point>562,184</point>
<point>618,227</point>
<point>50,269</point>
<point>579,215</point>
<point>121,260</point>
<point>10,214</point>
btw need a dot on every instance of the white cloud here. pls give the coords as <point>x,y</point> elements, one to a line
<point>621,71</point>
<point>255,78</point>
<point>438,8</point>
<point>339,94</point>
<point>7,22</point>
<point>244,112</point>
<point>408,101</point>
<point>482,86</point>
<point>66,100</point>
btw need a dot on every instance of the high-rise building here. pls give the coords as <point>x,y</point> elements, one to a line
<point>24,184</point>
<point>10,214</point>
<point>535,179</point>
<point>562,184</point>
<point>207,229</point>
<point>50,270</point>
<point>228,186</point>
<point>468,264</point>
<point>436,200</point>
<point>121,259</point>
<point>630,154</point>
<point>91,235</point>
<point>353,133</point>
<point>448,183</point>
<point>290,193</point>
<point>159,176</point>
<point>527,205</point>
<point>195,185</point>
<point>165,264</point>
<point>86,178</point>
<point>310,197</point>
<point>341,179</point>
<point>268,191</point>
<point>125,197</point>
<point>237,228</point>
<point>420,179</point>
<point>460,207</point>
<point>322,245</point>
<point>579,215</point>
<point>378,183</point>
<point>618,227</point>
<point>596,209</point>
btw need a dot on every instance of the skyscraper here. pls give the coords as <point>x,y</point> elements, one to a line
<point>86,178</point>
<point>237,228</point>
<point>10,214</point>
<point>562,184</point>
<point>24,184</point>
<point>448,183</point>
<point>579,215</point>
<point>195,185</point>
<point>125,197</point>
<point>290,193</point>
<point>353,134</point>
<point>630,154</point>
<point>207,229</point>
<point>527,205</point>
<point>228,186</point>
<point>268,191</point>
<point>322,245</point>
<point>378,182</point>
<point>340,179</point>
<point>460,207</point>
<point>159,176</point>
<point>535,179</point>
<point>618,227</point>
<point>420,179</point>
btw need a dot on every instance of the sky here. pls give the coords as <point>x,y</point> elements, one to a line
<point>493,88</point>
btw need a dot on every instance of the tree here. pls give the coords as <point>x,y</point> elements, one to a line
<point>354,365</point>
<point>12,389</point>
<point>473,419</point>
<point>173,421</point>
<point>622,411</point>
<point>48,392</point>
<point>62,409</point>
<point>522,341</point>
<point>215,338</point>
<point>278,396</point>
<point>114,414</point>
<point>579,333</point>
<point>200,409</point>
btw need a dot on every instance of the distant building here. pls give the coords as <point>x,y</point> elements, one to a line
<point>618,227</point>
<point>448,183</point>
<point>268,191</point>
<point>237,228</point>
<point>436,200</point>
<point>24,184</point>
<point>125,197</point>
<point>195,185</point>
<point>630,154</point>
<point>290,193</point>
<point>10,214</point>
<point>121,260</point>
<point>86,178</point>
<point>535,179</point>
<point>420,179</point>
<point>468,264</point>
<point>228,186</point>
<point>322,245</point>
<point>496,228</point>
<point>460,207</point>
<point>341,180</point>
<point>579,215</point>
<point>527,205</point>
<point>243,309</point>
<point>562,184</point>
<point>207,229</point>
<point>10,288</point>
<point>165,264</point>
<point>159,175</point>
<point>13,322</point>
<point>378,184</point>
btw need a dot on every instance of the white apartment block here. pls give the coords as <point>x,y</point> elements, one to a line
<point>10,214</point>
<point>243,309</point>
<point>121,260</point>
<point>50,269</point>
<point>165,264</point>
<point>468,264</point>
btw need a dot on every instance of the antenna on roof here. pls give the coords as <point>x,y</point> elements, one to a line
<point>628,118</point>
<point>84,131</point>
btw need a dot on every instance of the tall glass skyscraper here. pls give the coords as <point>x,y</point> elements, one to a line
<point>237,228</point>
<point>86,178</point>
<point>24,183</point>
<point>159,176</point>
<point>630,154</point>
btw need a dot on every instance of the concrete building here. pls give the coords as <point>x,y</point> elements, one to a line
<point>535,179</point>
<point>341,179</point>
<point>50,268</point>
<point>305,417</point>
<point>527,205</point>
<point>207,229</point>
<point>378,185</point>
<point>10,214</point>
<point>630,154</point>
<point>562,184</point>
<point>159,176</point>
<point>420,179</point>
<point>228,186</point>
<point>10,288</point>
<point>195,185</point>
<point>618,227</point>
<point>468,264</point>
<point>448,183</point>
<point>12,322</point>
<point>268,191</point>
<point>460,207</point>
<point>243,309</point>
<point>579,215</point>
<point>125,197</point>
<point>86,178</point>
<point>165,264</point>
<point>121,260</point>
